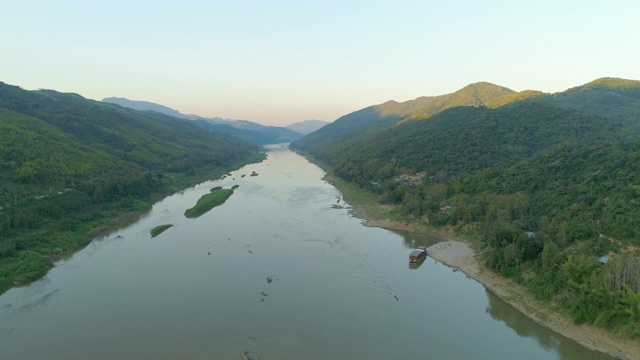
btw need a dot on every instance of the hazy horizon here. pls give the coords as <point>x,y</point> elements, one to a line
<point>280,62</point>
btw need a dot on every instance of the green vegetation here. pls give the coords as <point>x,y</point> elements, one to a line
<point>609,84</point>
<point>235,187</point>
<point>208,202</point>
<point>617,100</point>
<point>354,194</point>
<point>338,136</point>
<point>464,140</point>
<point>546,221</point>
<point>159,229</point>
<point>512,97</point>
<point>364,199</point>
<point>71,168</point>
<point>548,183</point>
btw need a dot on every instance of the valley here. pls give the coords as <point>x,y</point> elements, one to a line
<point>544,186</point>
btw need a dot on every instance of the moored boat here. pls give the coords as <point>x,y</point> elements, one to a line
<point>418,255</point>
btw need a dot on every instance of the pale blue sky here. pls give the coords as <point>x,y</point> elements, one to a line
<point>278,62</point>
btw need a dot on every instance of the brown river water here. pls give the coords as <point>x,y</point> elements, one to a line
<point>280,271</point>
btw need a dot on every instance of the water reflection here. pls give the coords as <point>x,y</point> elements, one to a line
<point>424,238</point>
<point>525,327</point>
<point>416,265</point>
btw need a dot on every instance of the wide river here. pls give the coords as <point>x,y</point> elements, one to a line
<point>280,271</point>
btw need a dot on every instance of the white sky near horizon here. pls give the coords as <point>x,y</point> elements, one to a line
<point>278,62</point>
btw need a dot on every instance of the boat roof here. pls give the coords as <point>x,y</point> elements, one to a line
<point>417,252</point>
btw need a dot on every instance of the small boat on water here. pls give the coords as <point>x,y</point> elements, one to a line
<point>418,255</point>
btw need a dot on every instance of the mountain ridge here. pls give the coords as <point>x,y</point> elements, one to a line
<point>374,118</point>
<point>306,127</point>
<point>260,135</point>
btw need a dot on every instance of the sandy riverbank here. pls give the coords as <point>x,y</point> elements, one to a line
<point>457,252</point>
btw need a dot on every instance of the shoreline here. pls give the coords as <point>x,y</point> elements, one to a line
<point>457,252</point>
<point>108,224</point>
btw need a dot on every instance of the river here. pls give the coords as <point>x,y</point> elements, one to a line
<point>280,271</point>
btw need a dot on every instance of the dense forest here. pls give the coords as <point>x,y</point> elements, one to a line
<point>71,166</point>
<point>547,183</point>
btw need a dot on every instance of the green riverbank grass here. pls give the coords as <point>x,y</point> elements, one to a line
<point>159,229</point>
<point>208,202</point>
<point>364,201</point>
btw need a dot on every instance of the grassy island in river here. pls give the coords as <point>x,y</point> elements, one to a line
<point>208,202</point>
<point>159,229</point>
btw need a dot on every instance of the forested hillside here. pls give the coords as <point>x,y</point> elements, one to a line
<point>611,98</point>
<point>334,138</point>
<point>69,165</point>
<point>548,184</point>
<point>465,140</point>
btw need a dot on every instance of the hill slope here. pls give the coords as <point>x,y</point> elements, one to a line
<point>547,183</point>
<point>466,139</point>
<point>612,98</point>
<point>333,138</point>
<point>69,165</point>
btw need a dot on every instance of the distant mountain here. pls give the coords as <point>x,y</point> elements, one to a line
<point>477,94</point>
<point>609,84</point>
<point>257,135</point>
<point>251,132</point>
<point>612,98</point>
<point>464,140</point>
<point>145,106</point>
<point>414,132</point>
<point>513,97</point>
<point>307,127</point>
<point>333,137</point>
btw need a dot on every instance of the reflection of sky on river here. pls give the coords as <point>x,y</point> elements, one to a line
<point>200,290</point>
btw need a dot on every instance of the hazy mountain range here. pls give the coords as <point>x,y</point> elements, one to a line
<point>306,127</point>
<point>248,130</point>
